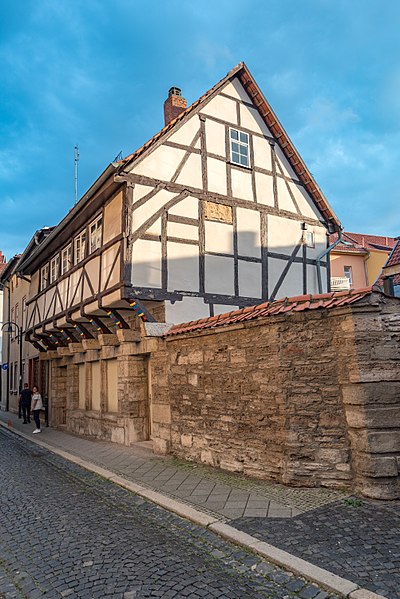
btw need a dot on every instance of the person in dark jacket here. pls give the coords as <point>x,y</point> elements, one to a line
<point>25,399</point>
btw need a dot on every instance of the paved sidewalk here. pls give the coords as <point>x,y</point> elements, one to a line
<point>225,495</point>
<point>359,542</point>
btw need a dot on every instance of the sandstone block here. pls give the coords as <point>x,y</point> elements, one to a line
<point>207,457</point>
<point>161,413</point>
<point>371,393</point>
<point>186,440</point>
<point>160,446</point>
<point>378,488</point>
<point>192,379</point>
<point>378,467</point>
<point>382,417</point>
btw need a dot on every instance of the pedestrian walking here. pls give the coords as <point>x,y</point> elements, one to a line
<point>37,405</point>
<point>25,401</point>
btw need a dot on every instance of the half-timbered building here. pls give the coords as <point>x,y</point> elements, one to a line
<point>216,212</point>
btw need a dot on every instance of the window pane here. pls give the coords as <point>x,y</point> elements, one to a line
<point>235,147</point>
<point>243,160</point>
<point>244,150</point>
<point>234,134</point>
<point>235,157</point>
<point>244,138</point>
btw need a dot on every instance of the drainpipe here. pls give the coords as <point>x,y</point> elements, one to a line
<point>325,253</point>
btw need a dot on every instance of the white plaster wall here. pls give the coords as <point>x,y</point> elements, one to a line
<point>188,207</point>
<point>262,153</point>
<point>219,275</point>
<point>265,189</point>
<point>140,190</point>
<point>153,205</point>
<point>251,119</point>
<point>215,138</point>
<point>106,266</point>
<point>216,173</point>
<point>320,241</point>
<point>146,263</point>
<point>183,267</point>
<point>190,308</point>
<point>222,108</point>
<point>191,172</point>
<point>248,232</point>
<point>284,163</point>
<point>63,289</point>
<point>224,308</point>
<point>304,202</point>
<point>293,282</point>
<point>283,234</point>
<point>235,89</point>
<point>219,237</point>
<point>161,163</point>
<point>249,279</point>
<point>285,202</point>
<point>241,184</point>
<point>182,231</point>
<point>186,132</point>
<point>312,279</point>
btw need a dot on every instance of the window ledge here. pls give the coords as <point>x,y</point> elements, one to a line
<point>246,168</point>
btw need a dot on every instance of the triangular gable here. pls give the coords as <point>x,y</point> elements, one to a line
<point>291,159</point>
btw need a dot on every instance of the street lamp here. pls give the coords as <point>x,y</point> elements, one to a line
<point>10,325</point>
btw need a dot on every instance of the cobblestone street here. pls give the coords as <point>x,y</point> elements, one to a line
<point>359,540</point>
<point>65,532</point>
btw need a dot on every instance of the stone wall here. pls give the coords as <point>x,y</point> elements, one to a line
<point>309,398</point>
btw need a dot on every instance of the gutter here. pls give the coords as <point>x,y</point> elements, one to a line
<point>111,168</point>
<point>325,253</point>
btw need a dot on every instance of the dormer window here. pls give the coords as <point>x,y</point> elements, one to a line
<point>239,143</point>
<point>95,230</point>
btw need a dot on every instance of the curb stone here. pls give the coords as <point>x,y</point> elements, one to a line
<point>298,566</point>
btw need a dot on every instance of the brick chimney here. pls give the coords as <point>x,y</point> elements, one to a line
<point>173,105</point>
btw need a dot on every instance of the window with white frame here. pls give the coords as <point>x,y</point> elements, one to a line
<point>80,247</point>
<point>310,239</point>
<point>66,256</point>
<point>95,230</point>
<point>239,144</point>
<point>44,277</point>
<point>348,272</point>
<point>54,268</point>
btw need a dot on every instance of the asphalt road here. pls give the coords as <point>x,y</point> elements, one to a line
<point>65,532</point>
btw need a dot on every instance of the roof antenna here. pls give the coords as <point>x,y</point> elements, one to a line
<point>76,160</point>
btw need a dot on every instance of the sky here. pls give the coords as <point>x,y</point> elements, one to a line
<point>96,74</point>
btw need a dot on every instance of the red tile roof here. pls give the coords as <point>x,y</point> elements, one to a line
<point>361,243</point>
<point>394,258</point>
<point>272,122</point>
<point>288,304</point>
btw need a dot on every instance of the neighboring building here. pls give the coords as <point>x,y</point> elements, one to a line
<point>23,361</point>
<point>391,272</point>
<point>216,212</point>
<point>357,261</point>
<point>2,372</point>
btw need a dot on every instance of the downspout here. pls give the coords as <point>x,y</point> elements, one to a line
<point>325,253</point>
